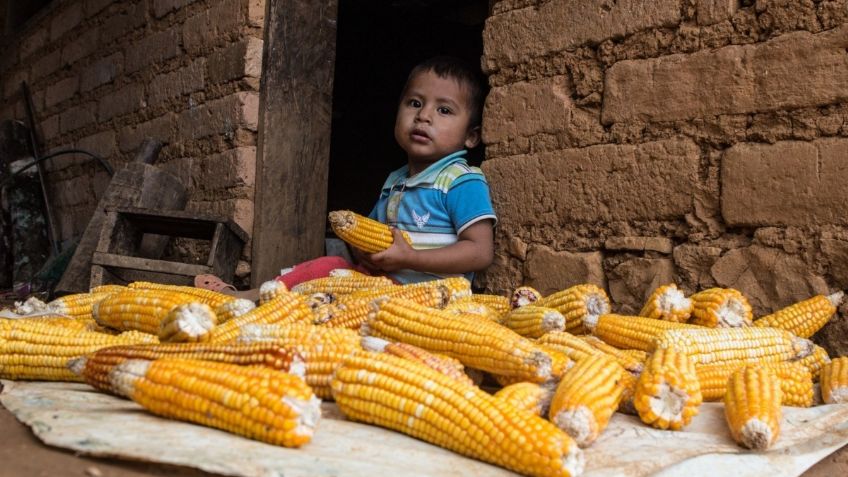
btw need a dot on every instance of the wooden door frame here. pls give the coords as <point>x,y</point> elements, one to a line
<point>293,150</point>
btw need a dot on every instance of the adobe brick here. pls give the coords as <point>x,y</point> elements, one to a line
<point>213,26</point>
<point>33,42</point>
<point>221,116</point>
<point>65,20</point>
<point>640,244</point>
<point>128,99</point>
<point>124,22</point>
<point>232,168</point>
<point>93,7</point>
<point>550,271</point>
<point>558,25</point>
<point>795,70</point>
<point>104,143</point>
<point>786,183</point>
<point>50,127</point>
<point>62,90</point>
<point>103,71</point>
<point>46,64</point>
<point>164,7</point>
<point>596,184</point>
<point>710,12</point>
<point>239,210</point>
<point>177,83</point>
<point>256,13</point>
<point>161,129</point>
<point>12,84</point>
<point>236,61</point>
<point>153,49</point>
<point>82,46</point>
<point>77,117</point>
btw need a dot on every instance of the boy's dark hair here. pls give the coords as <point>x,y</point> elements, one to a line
<point>464,74</point>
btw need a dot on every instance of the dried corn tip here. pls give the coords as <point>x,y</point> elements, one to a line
<point>668,393</point>
<point>668,303</point>
<point>270,290</point>
<point>632,360</point>
<point>444,364</point>
<point>531,397</point>
<point>534,321</point>
<point>752,407</point>
<point>233,309</point>
<point>581,305</point>
<point>459,287</point>
<point>476,342</point>
<point>30,306</point>
<point>287,308</point>
<point>471,307</point>
<point>748,345</point>
<point>796,382</point>
<point>324,313</point>
<point>259,403</point>
<point>364,233</point>
<point>574,347</point>
<point>209,297</point>
<point>316,300</point>
<point>340,285</point>
<point>803,318</point>
<point>496,302</point>
<point>76,305</point>
<point>721,308</point>
<point>632,332</point>
<point>815,361</point>
<point>834,381</point>
<point>524,295</point>
<point>560,361</point>
<point>586,398</point>
<point>188,323</point>
<point>411,398</point>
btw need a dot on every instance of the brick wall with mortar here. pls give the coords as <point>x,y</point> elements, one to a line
<point>105,74</point>
<point>703,142</point>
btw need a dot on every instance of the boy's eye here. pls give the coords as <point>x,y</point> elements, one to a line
<point>414,103</point>
<point>444,110</point>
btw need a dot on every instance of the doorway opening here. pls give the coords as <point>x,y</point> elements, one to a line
<point>377,44</point>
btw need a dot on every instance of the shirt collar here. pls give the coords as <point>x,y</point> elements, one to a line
<point>428,175</point>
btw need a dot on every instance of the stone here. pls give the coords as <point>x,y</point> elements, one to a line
<point>640,244</point>
<point>693,263</point>
<point>787,183</point>
<point>632,281</point>
<point>835,253</point>
<point>550,271</point>
<point>710,12</point>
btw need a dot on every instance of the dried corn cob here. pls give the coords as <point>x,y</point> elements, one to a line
<point>459,287</point>
<point>498,303</point>
<point>668,303</point>
<point>433,296</point>
<point>340,285</point>
<point>667,392</point>
<point>464,305</point>
<point>524,295</point>
<point>364,233</point>
<point>270,290</point>
<point>188,323</point>
<point>444,364</point>
<point>138,309</point>
<point>477,343</point>
<point>324,313</point>
<point>632,360</point>
<point>534,321</point>
<point>96,367</point>
<point>578,304</point>
<point>346,272</point>
<point>531,397</point>
<point>815,361</point>
<point>286,308</point>
<point>735,345</point>
<point>37,349</point>
<point>255,402</point>
<point>721,308</point>
<point>631,332</point>
<point>411,398</point>
<point>208,297</point>
<point>834,381</point>
<point>233,309</point>
<point>752,407</point>
<point>77,305</point>
<point>574,347</point>
<point>796,382</point>
<point>107,289</point>
<point>587,397</point>
<point>803,318</point>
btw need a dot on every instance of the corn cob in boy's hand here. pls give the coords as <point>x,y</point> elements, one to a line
<point>366,234</point>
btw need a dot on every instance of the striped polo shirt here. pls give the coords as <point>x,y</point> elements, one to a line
<point>434,206</point>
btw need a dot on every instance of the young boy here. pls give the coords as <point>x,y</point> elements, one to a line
<point>437,198</point>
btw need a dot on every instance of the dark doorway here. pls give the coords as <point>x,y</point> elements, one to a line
<point>377,43</point>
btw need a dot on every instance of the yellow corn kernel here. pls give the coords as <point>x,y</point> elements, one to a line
<point>534,321</point>
<point>632,360</point>
<point>471,307</point>
<point>208,297</point>
<point>814,361</point>
<point>188,323</point>
<point>441,363</point>
<point>340,285</point>
<point>631,332</point>
<point>531,397</point>
<point>668,393</point>
<point>735,345</point>
<point>78,305</point>
<point>138,309</point>
<point>721,308</point>
<point>524,295</point>
<point>434,296</point>
<point>364,233</point>
<point>270,290</point>
<point>233,309</point>
<point>586,398</point>
<point>834,381</point>
<point>285,308</point>
<point>574,347</point>
<point>498,303</point>
<point>803,318</point>
<point>796,382</point>
<point>668,303</point>
<point>578,304</point>
<point>414,399</point>
<point>459,287</point>
<point>255,402</point>
<point>752,407</point>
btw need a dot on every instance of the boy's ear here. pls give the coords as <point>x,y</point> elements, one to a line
<point>472,138</point>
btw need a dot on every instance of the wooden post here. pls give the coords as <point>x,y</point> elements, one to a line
<point>293,154</point>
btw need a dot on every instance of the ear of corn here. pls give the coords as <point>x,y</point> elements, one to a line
<point>364,233</point>
<point>477,343</point>
<point>628,385</point>
<point>721,308</point>
<point>748,345</point>
<point>341,285</point>
<point>78,305</point>
<point>796,382</point>
<point>631,332</point>
<point>202,295</point>
<point>632,360</point>
<point>188,323</point>
<point>803,318</point>
<point>574,347</point>
<point>534,321</point>
<point>500,304</point>
<point>254,402</point>
<point>286,308</point>
<point>411,398</point>
<point>834,381</point>
<point>434,296</point>
<point>346,272</point>
<point>233,309</point>
<point>138,309</point>
<point>578,304</point>
<point>270,290</point>
<point>531,397</point>
<point>459,287</point>
<point>667,392</point>
<point>444,364</point>
<point>752,407</point>
<point>524,295</point>
<point>814,361</point>
<point>471,307</point>
<point>586,398</point>
<point>668,303</point>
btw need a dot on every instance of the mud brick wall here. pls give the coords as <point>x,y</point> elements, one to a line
<point>105,74</point>
<point>702,142</point>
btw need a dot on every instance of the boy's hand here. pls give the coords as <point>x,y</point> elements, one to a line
<point>396,257</point>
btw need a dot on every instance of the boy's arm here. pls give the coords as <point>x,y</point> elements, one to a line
<point>473,251</point>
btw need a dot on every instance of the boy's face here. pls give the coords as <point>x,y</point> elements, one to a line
<point>433,120</point>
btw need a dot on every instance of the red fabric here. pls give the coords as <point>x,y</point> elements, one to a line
<point>317,268</point>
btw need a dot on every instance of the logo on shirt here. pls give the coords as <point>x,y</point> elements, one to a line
<point>420,220</point>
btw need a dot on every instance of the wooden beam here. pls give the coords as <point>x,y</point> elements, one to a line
<point>293,153</point>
